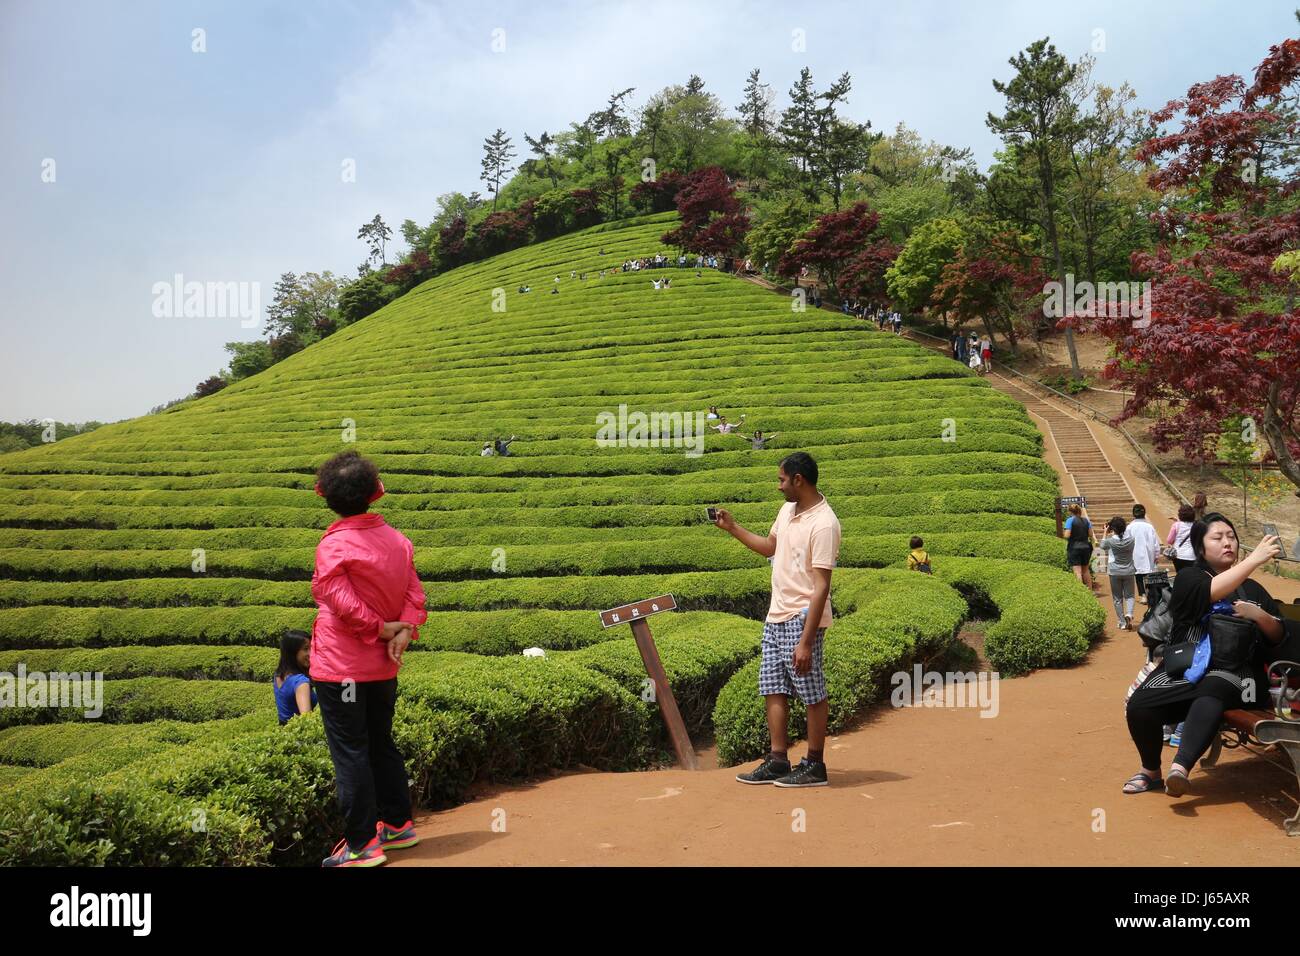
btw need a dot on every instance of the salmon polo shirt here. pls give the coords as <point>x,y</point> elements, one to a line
<point>364,576</point>
<point>804,541</point>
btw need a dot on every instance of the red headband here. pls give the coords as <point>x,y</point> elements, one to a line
<point>379,491</point>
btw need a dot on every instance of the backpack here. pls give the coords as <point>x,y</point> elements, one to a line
<point>924,566</point>
<point>1157,626</point>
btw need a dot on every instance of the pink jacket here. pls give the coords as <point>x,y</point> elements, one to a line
<point>364,576</point>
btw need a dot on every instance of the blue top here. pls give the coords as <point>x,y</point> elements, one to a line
<point>1070,520</point>
<point>285,701</point>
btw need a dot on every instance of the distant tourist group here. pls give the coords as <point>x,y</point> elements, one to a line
<point>974,351</point>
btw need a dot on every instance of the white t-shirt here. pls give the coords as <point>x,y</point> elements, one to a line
<point>1183,541</point>
<point>1146,545</point>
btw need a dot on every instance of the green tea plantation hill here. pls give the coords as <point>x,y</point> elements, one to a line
<point>170,552</point>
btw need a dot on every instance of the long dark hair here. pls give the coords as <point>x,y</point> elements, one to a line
<point>290,644</point>
<point>1197,536</point>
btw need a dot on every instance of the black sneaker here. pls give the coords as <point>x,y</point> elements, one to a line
<point>769,771</point>
<point>809,773</point>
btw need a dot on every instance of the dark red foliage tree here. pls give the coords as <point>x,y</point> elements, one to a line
<point>412,272</point>
<point>834,244</point>
<point>995,281</point>
<point>1223,336</point>
<point>282,346</point>
<point>451,243</point>
<point>210,386</point>
<point>658,195</point>
<point>586,208</point>
<point>713,221</point>
<point>863,276</point>
<point>499,232</point>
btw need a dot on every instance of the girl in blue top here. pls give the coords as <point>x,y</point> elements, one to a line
<point>293,691</point>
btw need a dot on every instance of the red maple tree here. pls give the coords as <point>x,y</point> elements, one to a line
<point>839,247</point>
<point>713,221</point>
<point>996,281</point>
<point>1223,337</point>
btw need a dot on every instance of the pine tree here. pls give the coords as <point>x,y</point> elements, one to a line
<point>497,153</point>
<point>798,131</point>
<point>1041,116</point>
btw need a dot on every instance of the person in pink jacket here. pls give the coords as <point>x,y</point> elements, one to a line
<point>370,605</point>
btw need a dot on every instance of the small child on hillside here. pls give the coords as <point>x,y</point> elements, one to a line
<point>918,559</point>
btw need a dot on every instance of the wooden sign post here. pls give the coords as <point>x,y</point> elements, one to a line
<point>635,615</point>
<point>1061,505</point>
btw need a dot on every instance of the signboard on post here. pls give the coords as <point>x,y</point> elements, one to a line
<point>1061,505</point>
<point>635,614</point>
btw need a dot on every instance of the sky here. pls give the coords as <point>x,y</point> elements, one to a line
<point>137,150</point>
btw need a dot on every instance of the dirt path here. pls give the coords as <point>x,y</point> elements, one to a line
<point>1037,784</point>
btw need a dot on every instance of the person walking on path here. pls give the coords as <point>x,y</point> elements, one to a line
<point>1120,546</point>
<point>370,605</point>
<point>1180,539</point>
<point>1078,548</point>
<point>1146,549</point>
<point>804,545</point>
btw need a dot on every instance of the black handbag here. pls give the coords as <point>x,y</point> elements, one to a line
<point>1178,657</point>
<point>1232,640</point>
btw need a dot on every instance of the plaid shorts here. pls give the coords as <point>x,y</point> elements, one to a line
<point>776,673</point>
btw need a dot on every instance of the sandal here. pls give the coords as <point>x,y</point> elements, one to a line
<point>1177,783</point>
<point>1141,782</point>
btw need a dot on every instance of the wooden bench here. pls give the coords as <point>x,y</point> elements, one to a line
<point>1263,728</point>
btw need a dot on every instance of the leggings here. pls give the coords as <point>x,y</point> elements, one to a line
<point>1200,716</point>
<point>1121,592</point>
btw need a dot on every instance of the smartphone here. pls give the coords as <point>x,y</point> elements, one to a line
<point>713,514</point>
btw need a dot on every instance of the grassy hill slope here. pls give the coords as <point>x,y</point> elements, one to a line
<point>170,552</point>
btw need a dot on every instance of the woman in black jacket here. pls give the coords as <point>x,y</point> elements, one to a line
<point>1161,699</point>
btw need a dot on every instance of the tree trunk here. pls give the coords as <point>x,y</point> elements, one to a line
<point>1053,240</point>
<point>1273,431</point>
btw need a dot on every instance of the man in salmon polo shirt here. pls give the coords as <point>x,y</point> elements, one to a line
<point>803,544</point>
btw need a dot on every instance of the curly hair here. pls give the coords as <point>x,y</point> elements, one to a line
<point>347,481</point>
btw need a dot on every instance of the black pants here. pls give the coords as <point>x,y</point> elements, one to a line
<point>368,768</point>
<point>1200,718</point>
<point>1180,564</point>
<point>1141,580</point>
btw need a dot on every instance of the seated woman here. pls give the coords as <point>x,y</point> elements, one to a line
<point>1162,699</point>
<point>293,690</point>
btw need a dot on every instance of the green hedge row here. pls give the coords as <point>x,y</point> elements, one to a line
<point>735,486</point>
<point>968,421</point>
<point>189,661</point>
<point>575,425</point>
<point>594,463</point>
<point>1046,617</point>
<point>43,745</point>
<point>633,516</point>
<point>666,555</point>
<point>139,699</point>
<point>261,539</point>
